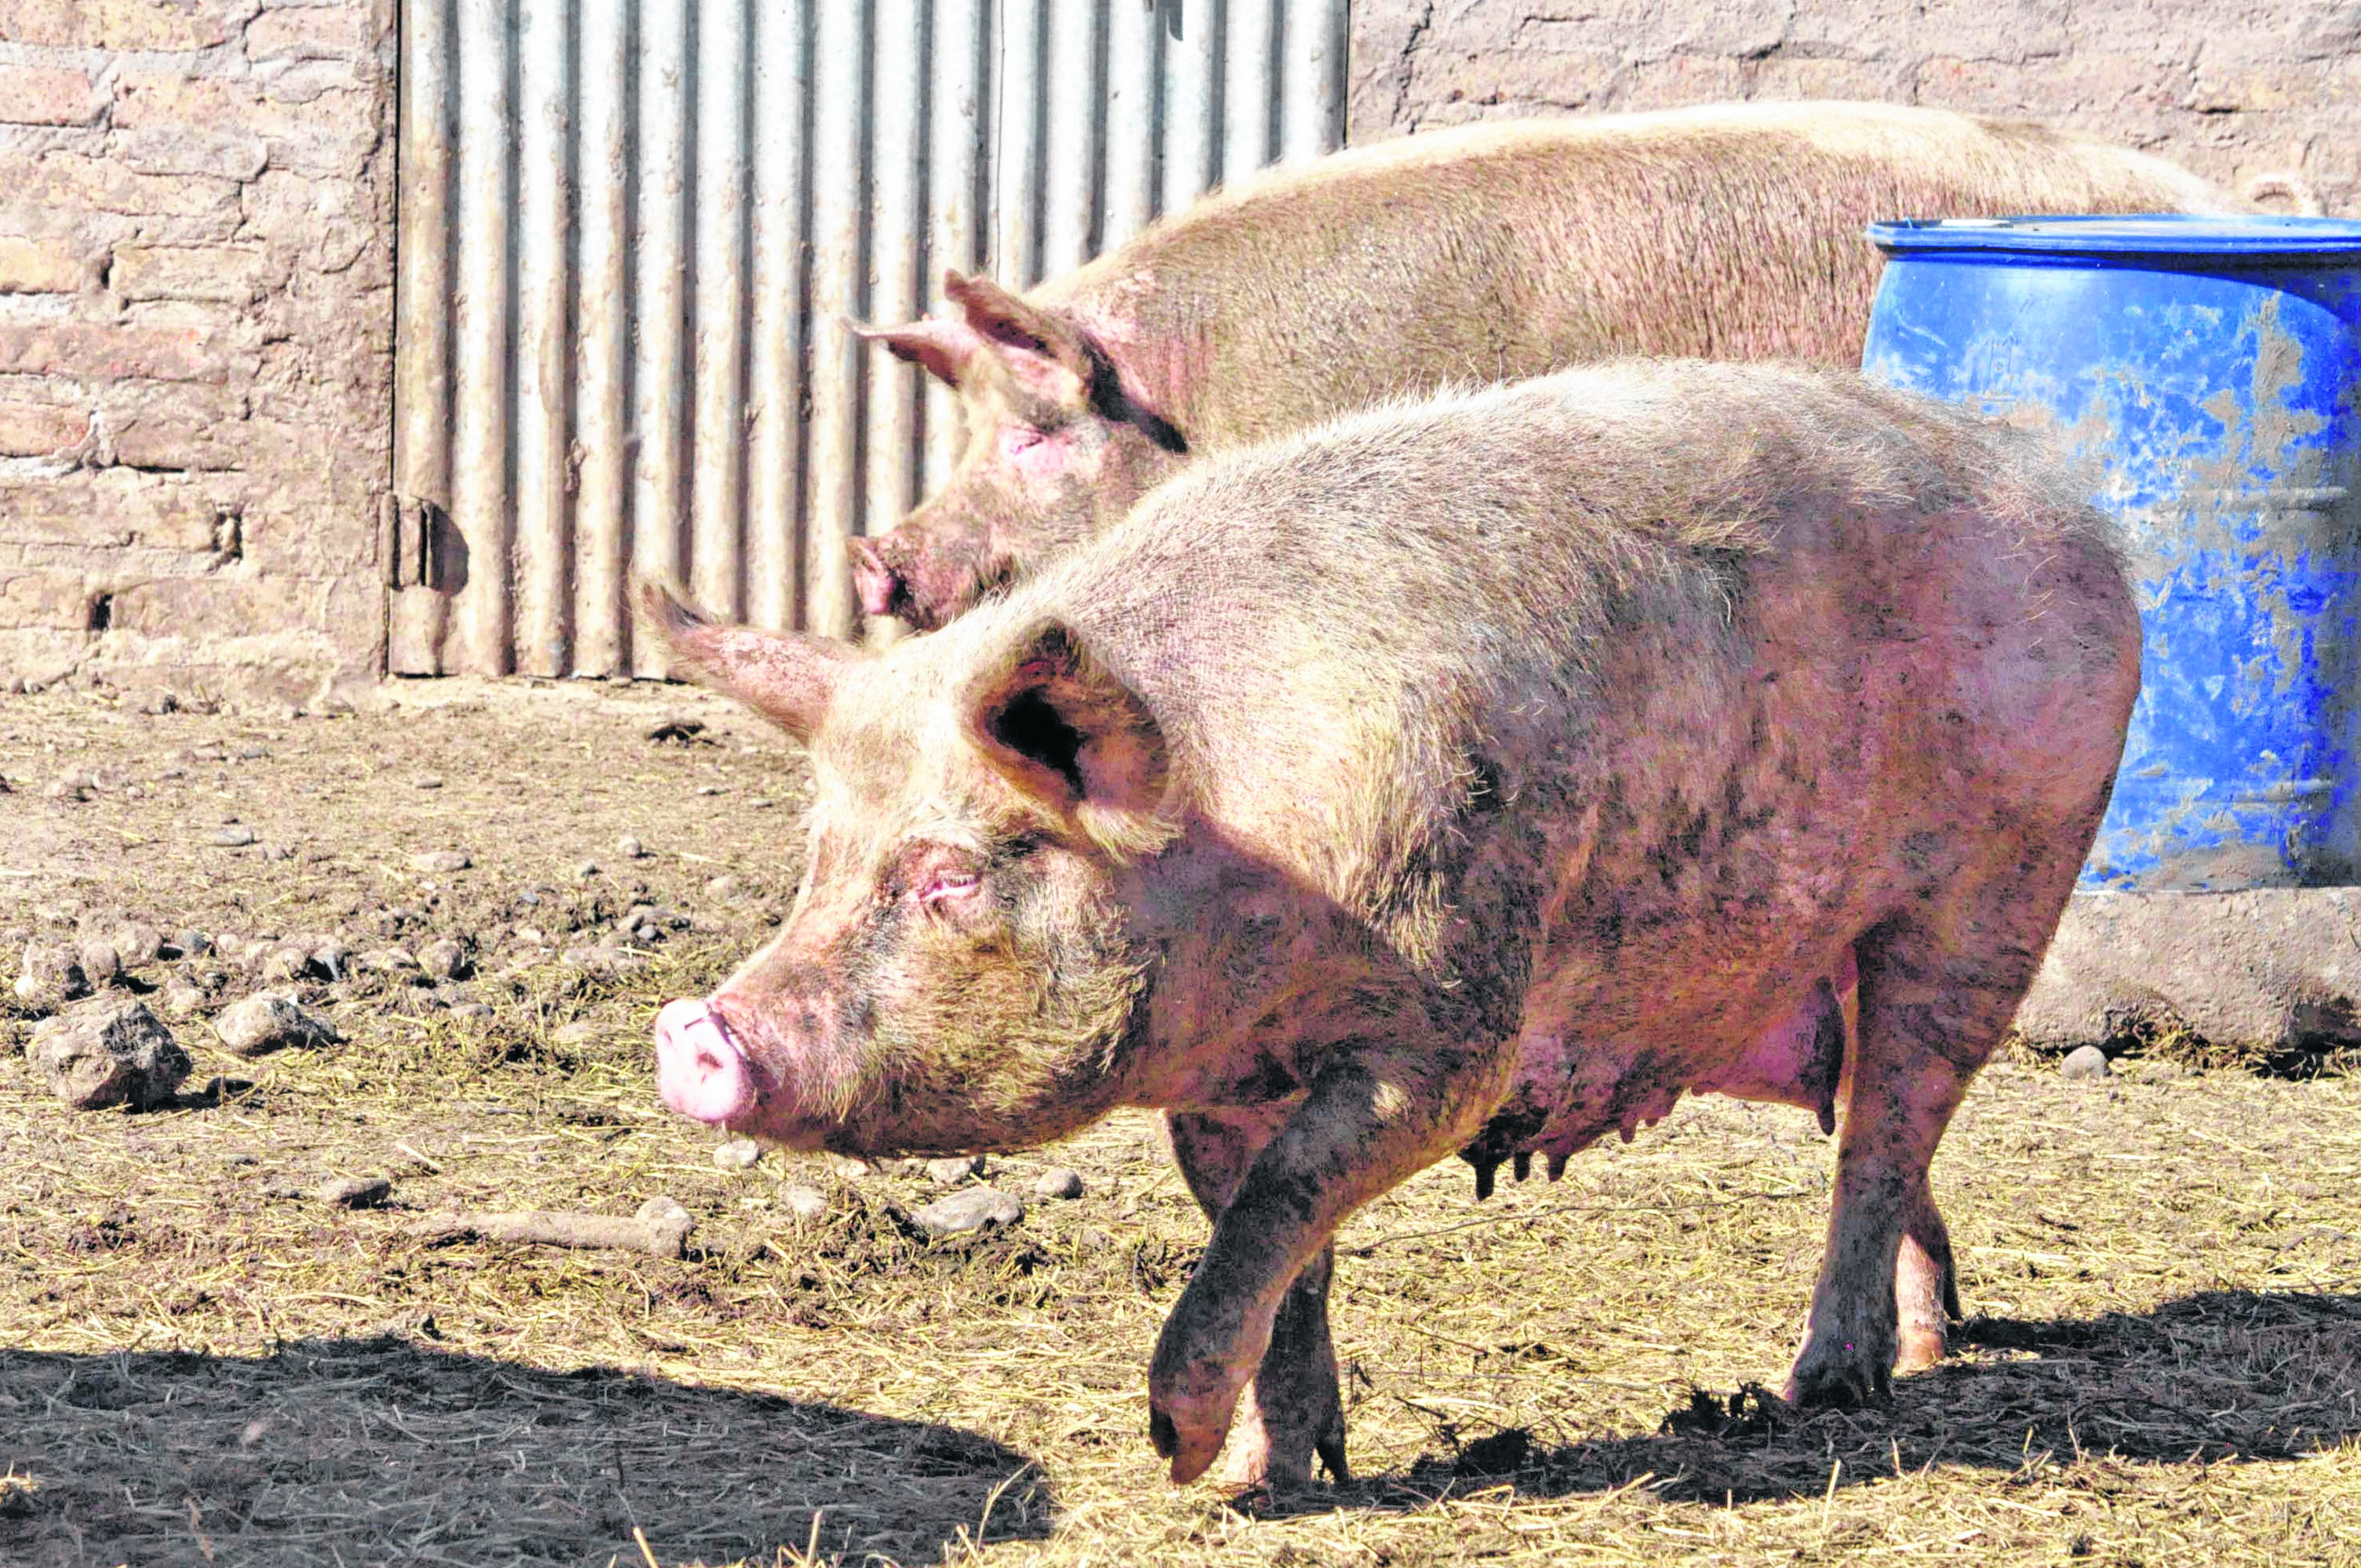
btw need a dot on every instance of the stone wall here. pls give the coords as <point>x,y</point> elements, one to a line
<point>196,316</point>
<point>2229,88</point>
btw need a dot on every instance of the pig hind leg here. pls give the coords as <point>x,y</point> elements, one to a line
<point>1292,1411</point>
<point>1926,1287</point>
<point>1939,986</point>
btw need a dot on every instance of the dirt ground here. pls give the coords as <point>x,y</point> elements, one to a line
<point>203,1362</point>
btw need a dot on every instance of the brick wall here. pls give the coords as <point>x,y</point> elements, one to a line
<point>195,340</point>
<point>2229,88</point>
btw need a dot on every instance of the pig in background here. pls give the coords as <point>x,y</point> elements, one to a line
<point>1484,254</point>
<point>1480,774</point>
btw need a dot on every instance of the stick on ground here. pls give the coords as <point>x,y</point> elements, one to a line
<point>660,1229</point>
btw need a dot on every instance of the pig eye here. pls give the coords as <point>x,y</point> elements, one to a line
<point>1020,439</point>
<point>951,884</point>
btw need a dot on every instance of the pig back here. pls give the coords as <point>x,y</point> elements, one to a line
<point>1506,616</point>
<point>1509,250</point>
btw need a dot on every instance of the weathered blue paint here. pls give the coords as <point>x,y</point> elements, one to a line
<point>2207,372</point>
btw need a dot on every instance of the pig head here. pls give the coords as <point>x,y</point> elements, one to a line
<point>956,973</point>
<point>1060,444</point>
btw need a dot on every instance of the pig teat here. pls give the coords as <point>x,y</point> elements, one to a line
<point>700,1071</point>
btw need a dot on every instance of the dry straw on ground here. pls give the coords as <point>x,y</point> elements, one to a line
<point>2164,1364</point>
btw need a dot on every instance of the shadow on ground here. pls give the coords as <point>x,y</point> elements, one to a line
<point>382,1451</point>
<point>2220,1376</point>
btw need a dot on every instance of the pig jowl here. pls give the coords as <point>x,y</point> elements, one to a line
<point>1476,775</point>
<point>1483,253</point>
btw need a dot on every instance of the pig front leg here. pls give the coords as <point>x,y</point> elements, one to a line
<point>1373,1118</point>
<point>1293,1410</point>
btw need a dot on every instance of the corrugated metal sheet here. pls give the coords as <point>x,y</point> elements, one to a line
<point>635,235</point>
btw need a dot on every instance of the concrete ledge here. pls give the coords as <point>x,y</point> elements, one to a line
<point>2268,971</point>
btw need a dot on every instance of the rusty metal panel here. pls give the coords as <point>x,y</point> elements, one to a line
<point>482,304</point>
<point>659,306</point>
<point>545,575</point>
<point>417,612</point>
<point>778,369</point>
<point>636,234</point>
<point>600,453</point>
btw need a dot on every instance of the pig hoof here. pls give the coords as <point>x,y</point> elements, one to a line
<point>1160,1433</point>
<point>1277,1451</point>
<point>1836,1386</point>
<point>1921,1349</point>
<point>1248,1465</point>
<point>1189,1417</point>
<point>1192,1448</point>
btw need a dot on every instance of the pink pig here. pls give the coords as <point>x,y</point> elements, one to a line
<point>1730,231</point>
<point>1474,775</point>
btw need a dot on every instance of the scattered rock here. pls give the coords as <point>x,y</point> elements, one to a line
<point>108,1051</point>
<point>845,1167</point>
<point>100,964</point>
<point>237,836</point>
<point>355,1192</point>
<point>331,958</point>
<point>439,861</point>
<point>631,849</point>
<point>444,959</point>
<point>532,935</point>
<point>268,1022</point>
<point>1060,1184</point>
<point>388,960</point>
<point>72,786</point>
<point>955,1168</point>
<point>285,962</point>
<point>137,943</point>
<point>252,753</point>
<point>587,870</point>
<point>668,1226</point>
<point>581,1032</point>
<point>683,731</point>
<point>471,1012</point>
<point>426,781</point>
<point>971,1209</point>
<point>194,943</point>
<point>180,998</point>
<point>805,1203</point>
<point>722,887</point>
<point>50,977</point>
<point>2084,1064</point>
<point>758,806</point>
<point>737,1154</point>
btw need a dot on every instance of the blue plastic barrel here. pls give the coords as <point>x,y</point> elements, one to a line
<point>2207,371</point>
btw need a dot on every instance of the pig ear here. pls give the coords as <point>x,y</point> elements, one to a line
<point>944,348</point>
<point>786,678</point>
<point>1061,728</point>
<point>1045,355</point>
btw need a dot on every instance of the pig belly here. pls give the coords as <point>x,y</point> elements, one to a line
<point>1563,1103</point>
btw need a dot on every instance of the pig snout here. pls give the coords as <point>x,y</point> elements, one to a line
<point>700,1070</point>
<point>880,586</point>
